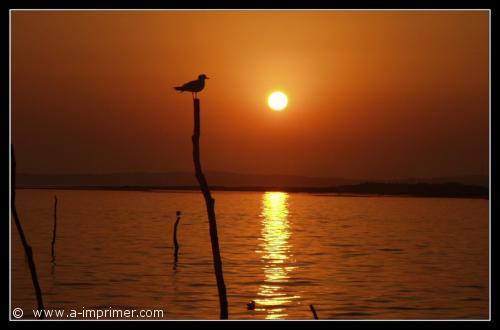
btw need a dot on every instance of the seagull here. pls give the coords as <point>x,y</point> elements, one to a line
<point>194,86</point>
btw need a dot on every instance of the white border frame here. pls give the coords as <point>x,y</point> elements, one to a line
<point>308,9</point>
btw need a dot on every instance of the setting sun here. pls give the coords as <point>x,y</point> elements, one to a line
<point>277,101</point>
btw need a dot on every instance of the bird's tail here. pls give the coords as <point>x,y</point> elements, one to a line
<point>179,89</point>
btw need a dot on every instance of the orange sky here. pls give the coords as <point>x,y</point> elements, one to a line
<point>372,94</point>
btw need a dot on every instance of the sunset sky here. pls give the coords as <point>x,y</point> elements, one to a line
<point>372,94</point>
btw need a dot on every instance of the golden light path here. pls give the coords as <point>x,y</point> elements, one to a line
<point>275,255</point>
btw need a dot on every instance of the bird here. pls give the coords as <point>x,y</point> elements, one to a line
<point>194,86</point>
<point>251,306</point>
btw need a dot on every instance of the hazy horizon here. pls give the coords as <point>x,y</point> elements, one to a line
<point>222,179</point>
<point>208,171</point>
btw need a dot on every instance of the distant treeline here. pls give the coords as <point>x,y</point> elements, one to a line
<point>223,179</point>
<point>450,189</point>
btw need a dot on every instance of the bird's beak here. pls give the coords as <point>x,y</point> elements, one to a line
<point>206,77</point>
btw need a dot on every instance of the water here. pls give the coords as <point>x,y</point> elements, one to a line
<point>352,257</point>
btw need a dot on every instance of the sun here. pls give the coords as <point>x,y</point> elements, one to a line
<point>277,101</point>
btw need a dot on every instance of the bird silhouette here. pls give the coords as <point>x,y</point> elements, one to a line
<point>194,86</point>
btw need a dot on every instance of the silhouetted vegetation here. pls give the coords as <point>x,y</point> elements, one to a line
<point>418,189</point>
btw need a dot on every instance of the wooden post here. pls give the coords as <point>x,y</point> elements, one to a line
<point>26,246</point>
<point>176,244</point>
<point>54,231</point>
<point>210,203</point>
<point>313,311</point>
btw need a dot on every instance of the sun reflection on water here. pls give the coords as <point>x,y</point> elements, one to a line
<point>275,255</point>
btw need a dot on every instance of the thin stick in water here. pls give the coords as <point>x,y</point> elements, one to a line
<point>27,248</point>
<point>210,204</point>
<point>176,244</point>
<point>54,231</point>
<point>313,311</point>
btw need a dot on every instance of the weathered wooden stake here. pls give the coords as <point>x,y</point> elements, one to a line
<point>313,311</point>
<point>54,231</point>
<point>176,244</point>
<point>27,247</point>
<point>210,203</point>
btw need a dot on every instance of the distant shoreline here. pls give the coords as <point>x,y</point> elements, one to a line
<point>446,190</point>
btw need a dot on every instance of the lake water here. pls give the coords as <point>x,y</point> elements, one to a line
<point>351,257</point>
